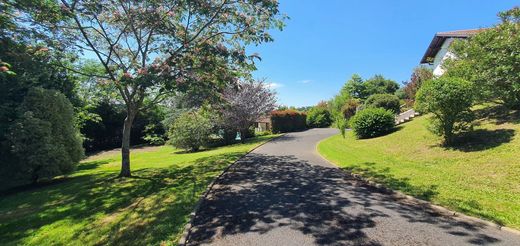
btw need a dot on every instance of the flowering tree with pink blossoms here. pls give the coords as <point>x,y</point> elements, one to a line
<point>153,47</point>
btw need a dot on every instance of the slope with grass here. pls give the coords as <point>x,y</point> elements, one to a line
<point>480,176</point>
<point>91,207</point>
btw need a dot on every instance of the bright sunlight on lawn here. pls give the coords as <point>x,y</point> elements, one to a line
<point>92,207</point>
<point>480,176</point>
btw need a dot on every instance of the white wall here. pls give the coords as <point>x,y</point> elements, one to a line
<point>442,55</point>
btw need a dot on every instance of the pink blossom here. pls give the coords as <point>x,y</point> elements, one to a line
<point>127,75</point>
<point>142,71</point>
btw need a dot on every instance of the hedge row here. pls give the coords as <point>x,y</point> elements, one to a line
<point>288,121</point>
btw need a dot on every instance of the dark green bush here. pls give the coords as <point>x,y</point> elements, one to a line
<point>190,131</point>
<point>372,122</point>
<point>43,139</point>
<point>319,117</point>
<point>288,121</point>
<point>386,101</point>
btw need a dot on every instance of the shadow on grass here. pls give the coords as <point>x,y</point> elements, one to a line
<point>92,164</point>
<point>383,176</point>
<point>473,207</point>
<point>499,114</point>
<point>149,208</point>
<point>482,139</point>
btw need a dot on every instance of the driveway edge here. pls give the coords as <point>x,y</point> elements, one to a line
<point>422,203</point>
<point>187,228</point>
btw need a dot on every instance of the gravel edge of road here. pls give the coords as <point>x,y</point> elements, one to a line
<point>187,228</point>
<point>426,205</point>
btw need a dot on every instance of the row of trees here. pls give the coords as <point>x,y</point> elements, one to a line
<point>142,53</point>
<point>365,95</point>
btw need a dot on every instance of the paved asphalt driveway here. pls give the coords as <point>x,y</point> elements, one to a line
<point>283,193</point>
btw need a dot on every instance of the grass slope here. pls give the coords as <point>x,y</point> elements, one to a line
<point>480,176</point>
<point>91,207</point>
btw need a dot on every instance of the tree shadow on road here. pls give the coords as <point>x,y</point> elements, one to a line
<point>264,192</point>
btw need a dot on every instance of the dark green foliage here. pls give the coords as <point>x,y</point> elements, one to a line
<point>449,100</point>
<point>319,116</point>
<point>105,131</point>
<point>191,131</point>
<point>31,67</point>
<point>43,140</point>
<point>386,101</point>
<point>288,121</point>
<point>372,122</point>
<point>380,85</point>
<point>356,87</point>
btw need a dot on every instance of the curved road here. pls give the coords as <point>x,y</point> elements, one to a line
<point>284,193</point>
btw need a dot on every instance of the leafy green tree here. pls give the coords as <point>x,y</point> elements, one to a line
<point>355,88</point>
<point>319,117</point>
<point>490,60</point>
<point>191,131</point>
<point>386,101</point>
<point>151,48</point>
<point>44,139</point>
<point>449,101</point>
<point>380,85</point>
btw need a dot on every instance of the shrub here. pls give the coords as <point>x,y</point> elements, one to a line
<point>349,109</point>
<point>43,139</point>
<point>341,124</point>
<point>190,131</point>
<point>319,117</point>
<point>372,122</point>
<point>386,101</point>
<point>449,100</point>
<point>262,133</point>
<point>288,121</point>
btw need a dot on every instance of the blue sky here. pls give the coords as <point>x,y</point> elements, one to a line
<point>326,41</point>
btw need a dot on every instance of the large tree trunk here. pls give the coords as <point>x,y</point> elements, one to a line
<point>125,144</point>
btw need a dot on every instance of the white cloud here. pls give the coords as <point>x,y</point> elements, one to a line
<point>306,81</point>
<point>273,85</point>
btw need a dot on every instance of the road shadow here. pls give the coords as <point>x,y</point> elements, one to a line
<point>264,192</point>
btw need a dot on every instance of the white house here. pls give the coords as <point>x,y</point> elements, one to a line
<point>438,51</point>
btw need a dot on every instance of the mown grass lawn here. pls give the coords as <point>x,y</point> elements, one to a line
<point>480,176</point>
<point>91,207</point>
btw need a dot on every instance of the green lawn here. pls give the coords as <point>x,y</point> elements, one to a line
<point>91,207</point>
<point>479,177</point>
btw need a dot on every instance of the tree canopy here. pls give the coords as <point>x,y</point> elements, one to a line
<point>490,60</point>
<point>151,48</point>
